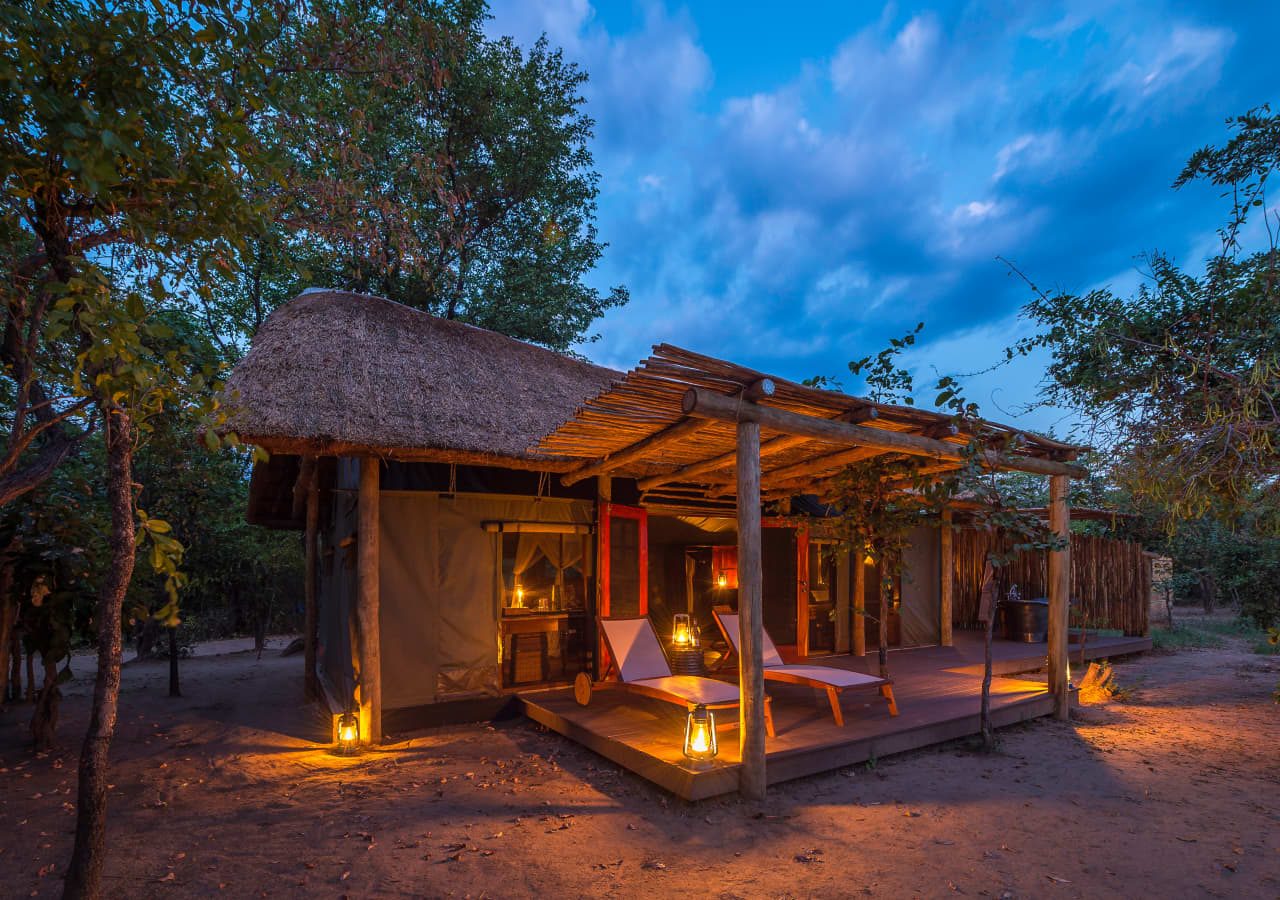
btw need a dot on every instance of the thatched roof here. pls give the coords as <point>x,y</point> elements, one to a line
<point>337,373</point>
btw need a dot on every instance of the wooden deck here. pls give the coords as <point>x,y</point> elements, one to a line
<point>938,690</point>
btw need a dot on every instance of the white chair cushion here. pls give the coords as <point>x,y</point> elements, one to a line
<point>770,655</point>
<point>636,645</point>
<point>827,675</point>
<point>693,688</point>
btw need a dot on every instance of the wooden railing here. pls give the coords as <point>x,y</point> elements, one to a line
<point>1110,579</point>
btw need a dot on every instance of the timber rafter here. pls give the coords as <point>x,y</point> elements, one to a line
<point>671,424</point>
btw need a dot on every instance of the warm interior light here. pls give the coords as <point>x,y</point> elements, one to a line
<point>348,734</point>
<point>723,580</point>
<point>700,735</point>
<point>682,630</point>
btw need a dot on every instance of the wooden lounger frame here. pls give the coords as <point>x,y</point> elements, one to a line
<point>773,673</point>
<point>583,686</point>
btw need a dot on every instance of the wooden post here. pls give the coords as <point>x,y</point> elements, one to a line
<point>310,681</point>
<point>859,569</point>
<point>751,780</point>
<point>1059,588</point>
<point>367,593</point>
<point>841,587</point>
<point>948,575</point>
<point>604,496</point>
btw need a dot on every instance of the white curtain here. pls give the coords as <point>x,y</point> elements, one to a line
<point>563,551</point>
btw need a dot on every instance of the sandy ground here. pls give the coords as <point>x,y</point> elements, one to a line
<point>1173,791</point>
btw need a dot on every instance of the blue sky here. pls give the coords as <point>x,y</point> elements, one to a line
<point>789,186</point>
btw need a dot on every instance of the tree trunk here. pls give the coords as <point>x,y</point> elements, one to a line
<point>31,678</point>
<point>882,629</point>
<point>1208,592</point>
<point>260,633</point>
<point>84,873</point>
<point>44,719</point>
<point>174,689</point>
<point>15,666</point>
<point>988,732</point>
<point>8,619</point>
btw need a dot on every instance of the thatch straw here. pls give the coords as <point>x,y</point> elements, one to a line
<point>341,373</point>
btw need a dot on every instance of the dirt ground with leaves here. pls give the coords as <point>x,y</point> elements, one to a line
<point>1171,790</point>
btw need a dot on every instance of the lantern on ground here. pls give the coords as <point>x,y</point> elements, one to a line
<point>684,636</point>
<point>700,735</point>
<point>348,734</point>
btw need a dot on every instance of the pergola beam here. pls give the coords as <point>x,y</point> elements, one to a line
<point>767,448</point>
<point>704,404</point>
<point>634,452</point>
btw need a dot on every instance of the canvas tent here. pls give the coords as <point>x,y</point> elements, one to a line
<point>510,493</point>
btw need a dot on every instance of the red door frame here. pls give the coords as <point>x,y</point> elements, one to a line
<point>802,579</point>
<point>607,512</point>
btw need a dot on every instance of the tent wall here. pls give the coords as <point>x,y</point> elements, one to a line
<point>440,603</point>
<point>921,589</point>
<point>335,597</point>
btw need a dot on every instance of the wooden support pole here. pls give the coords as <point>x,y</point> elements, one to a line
<point>1059,589</point>
<point>310,681</point>
<point>751,706</point>
<point>367,594</point>
<point>702,403</point>
<point>947,572</point>
<point>859,570</point>
<point>841,587</point>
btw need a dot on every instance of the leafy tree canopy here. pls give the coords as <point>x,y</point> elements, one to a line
<point>1181,380</point>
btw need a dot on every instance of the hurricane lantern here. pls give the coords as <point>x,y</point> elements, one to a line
<point>700,735</point>
<point>684,635</point>
<point>348,734</point>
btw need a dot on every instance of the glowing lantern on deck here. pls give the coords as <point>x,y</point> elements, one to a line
<point>684,634</point>
<point>700,735</point>
<point>348,734</point>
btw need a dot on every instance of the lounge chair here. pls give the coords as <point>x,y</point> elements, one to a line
<point>828,678</point>
<point>641,664</point>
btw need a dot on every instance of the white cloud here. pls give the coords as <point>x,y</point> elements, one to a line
<point>1184,57</point>
<point>863,63</point>
<point>1028,151</point>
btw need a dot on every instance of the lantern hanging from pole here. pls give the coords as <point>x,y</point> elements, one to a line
<point>348,734</point>
<point>700,735</point>
<point>724,567</point>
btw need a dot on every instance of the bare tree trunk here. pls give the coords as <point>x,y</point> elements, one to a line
<point>174,689</point>
<point>31,678</point>
<point>260,633</point>
<point>1208,592</point>
<point>84,874</point>
<point>988,732</point>
<point>8,621</point>
<point>1168,603</point>
<point>15,666</point>
<point>44,719</point>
